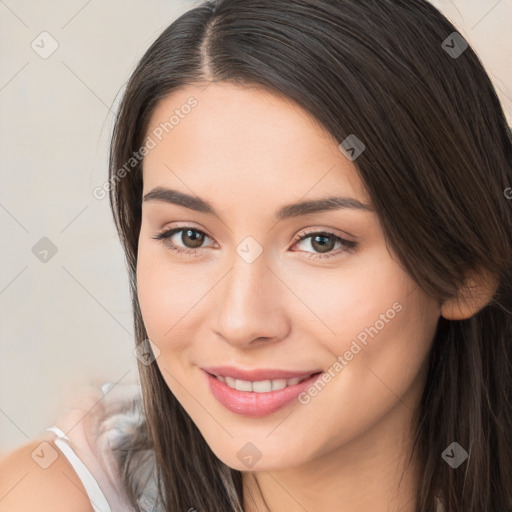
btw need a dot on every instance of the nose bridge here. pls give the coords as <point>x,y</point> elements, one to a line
<point>246,288</point>
<point>249,301</point>
<point>245,283</point>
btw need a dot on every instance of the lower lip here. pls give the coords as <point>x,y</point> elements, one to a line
<point>248,403</point>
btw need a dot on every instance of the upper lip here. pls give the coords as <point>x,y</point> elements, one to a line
<point>257,374</point>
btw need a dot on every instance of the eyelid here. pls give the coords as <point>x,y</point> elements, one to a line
<point>177,228</point>
<point>331,231</point>
<point>348,246</point>
<point>306,231</point>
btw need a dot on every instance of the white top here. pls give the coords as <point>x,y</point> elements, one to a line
<point>93,434</point>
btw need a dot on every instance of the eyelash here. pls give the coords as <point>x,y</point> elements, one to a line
<point>349,245</point>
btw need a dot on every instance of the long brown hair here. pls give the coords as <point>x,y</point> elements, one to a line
<point>438,167</point>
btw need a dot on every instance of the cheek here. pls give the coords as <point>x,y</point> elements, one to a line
<point>384,325</point>
<point>383,339</point>
<point>366,290</point>
<point>163,300</point>
<point>374,316</point>
<point>170,296</point>
<point>161,306</point>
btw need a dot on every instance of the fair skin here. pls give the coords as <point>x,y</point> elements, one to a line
<point>25,485</point>
<point>248,152</point>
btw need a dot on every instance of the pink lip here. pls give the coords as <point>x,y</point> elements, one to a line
<point>257,374</point>
<point>248,403</point>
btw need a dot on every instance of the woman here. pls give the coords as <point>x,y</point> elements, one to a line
<point>313,201</point>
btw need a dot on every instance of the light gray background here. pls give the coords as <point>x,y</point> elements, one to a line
<point>67,322</point>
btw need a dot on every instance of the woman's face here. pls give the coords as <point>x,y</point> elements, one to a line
<point>258,290</point>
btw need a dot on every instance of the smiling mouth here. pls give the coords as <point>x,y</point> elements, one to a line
<point>258,398</point>
<point>261,386</point>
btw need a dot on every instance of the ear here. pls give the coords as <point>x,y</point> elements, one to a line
<point>474,295</point>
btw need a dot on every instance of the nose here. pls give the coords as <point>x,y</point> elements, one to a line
<point>251,305</point>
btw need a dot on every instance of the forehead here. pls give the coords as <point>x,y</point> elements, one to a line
<point>243,141</point>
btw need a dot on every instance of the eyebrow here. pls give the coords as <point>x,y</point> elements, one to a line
<point>288,211</point>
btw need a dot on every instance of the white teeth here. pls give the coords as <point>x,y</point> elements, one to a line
<point>231,382</point>
<point>243,385</point>
<point>278,384</point>
<point>261,386</point>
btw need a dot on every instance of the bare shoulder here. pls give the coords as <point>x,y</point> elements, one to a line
<point>38,477</point>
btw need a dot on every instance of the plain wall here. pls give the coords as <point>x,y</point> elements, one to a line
<point>67,322</point>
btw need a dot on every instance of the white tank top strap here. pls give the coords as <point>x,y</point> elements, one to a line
<point>94,492</point>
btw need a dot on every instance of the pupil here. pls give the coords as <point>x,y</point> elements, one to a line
<point>196,241</point>
<point>322,247</point>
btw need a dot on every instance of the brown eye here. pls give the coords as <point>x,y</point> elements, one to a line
<point>190,242</point>
<point>323,243</point>
<point>192,238</point>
